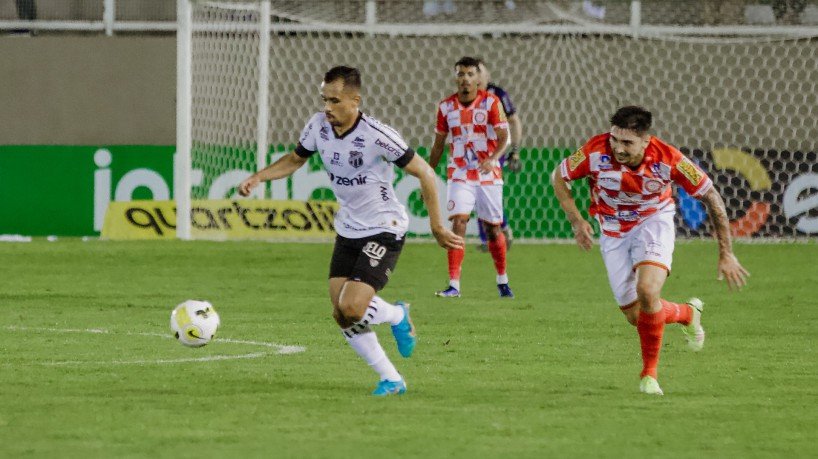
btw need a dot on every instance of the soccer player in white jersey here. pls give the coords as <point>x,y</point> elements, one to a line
<point>358,153</point>
<point>631,173</point>
<point>474,121</point>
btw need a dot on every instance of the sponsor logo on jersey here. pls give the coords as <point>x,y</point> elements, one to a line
<point>689,170</point>
<point>344,181</point>
<point>627,215</point>
<point>605,162</point>
<point>389,148</point>
<point>576,159</point>
<point>324,133</point>
<point>375,252</point>
<point>356,159</point>
<point>336,159</point>
<point>384,194</point>
<point>358,142</point>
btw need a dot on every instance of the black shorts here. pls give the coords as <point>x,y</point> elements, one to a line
<point>369,259</point>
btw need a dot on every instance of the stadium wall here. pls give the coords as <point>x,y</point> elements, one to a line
<point>71,99</point>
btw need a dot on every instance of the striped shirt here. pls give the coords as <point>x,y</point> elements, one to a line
<point>622,197</point>
<point>472,135</point>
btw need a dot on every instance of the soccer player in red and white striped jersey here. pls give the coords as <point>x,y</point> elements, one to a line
<point>631,173</point>
<point>476,124</point>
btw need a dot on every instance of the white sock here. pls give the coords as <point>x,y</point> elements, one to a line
<point>502,279</point>
<point>454,283</point>
<point>365,342</point>
<point>379,311</point>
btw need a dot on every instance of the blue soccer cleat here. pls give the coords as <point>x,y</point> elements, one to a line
<point>505,291</point>
<point>386,388</point>
<point>405,332</point>
<point>450,292</point>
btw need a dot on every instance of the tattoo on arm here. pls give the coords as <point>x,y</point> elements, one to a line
<point>717,213</point>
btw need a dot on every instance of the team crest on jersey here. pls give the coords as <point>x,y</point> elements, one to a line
<point>358,142</point>
<point>689,170</point>
<point>480,117</point>
<point>356,159</point>
<point>324,133</point>
<point>576,159</point>
<point>653,186</point>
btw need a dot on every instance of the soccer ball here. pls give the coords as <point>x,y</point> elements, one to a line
<point>194,323</point>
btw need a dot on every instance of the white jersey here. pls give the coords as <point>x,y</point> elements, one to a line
<point>359,165</point>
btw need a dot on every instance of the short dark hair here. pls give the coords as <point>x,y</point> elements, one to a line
<point>633,117</point>
<point>350,75</point>
<point>467,61</point>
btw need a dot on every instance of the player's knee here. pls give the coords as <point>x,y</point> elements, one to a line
<point>646,295</point>
<point>492,231</point>
<point>340,319</point>
<point>350,310</point>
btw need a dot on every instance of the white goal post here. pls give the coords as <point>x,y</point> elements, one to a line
<point>734,89</point>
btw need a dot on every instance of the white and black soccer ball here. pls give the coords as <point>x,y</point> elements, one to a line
<point>194,323</point>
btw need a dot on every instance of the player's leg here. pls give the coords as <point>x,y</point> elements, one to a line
<point>657,244</point>
<point>651,322</point>
<point>460,202</point>
<point>621,277</point>
<point>507,231</point>
<point>490,212</point>
<point>481,231</point>
<point>352,290</point>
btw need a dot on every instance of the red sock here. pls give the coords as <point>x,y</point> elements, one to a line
<point>676,313</point>
<point>650,328</point>
<point>497,247</point>
<point>456,262</point>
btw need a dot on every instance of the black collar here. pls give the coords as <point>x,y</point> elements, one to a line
<point>346,133</point>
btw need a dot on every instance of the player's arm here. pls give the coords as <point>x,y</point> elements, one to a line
<point>515,128</point>
<point>417,167</point>
<point>437,149</point>
<point>583,232</point>
<point>729,267</point>
<point>502,142</point>
<point>284,167</point>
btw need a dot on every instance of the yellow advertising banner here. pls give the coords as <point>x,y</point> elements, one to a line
<point>222,219</point>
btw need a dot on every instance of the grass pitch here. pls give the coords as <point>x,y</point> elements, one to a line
<point>85,370</point>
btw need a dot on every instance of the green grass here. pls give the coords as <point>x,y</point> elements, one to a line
<point>553,373</point>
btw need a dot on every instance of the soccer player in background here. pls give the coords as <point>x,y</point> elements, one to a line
<point>358,153</point>
<point>630,173</point>
<point>511,159</point>
<point>476,124</point>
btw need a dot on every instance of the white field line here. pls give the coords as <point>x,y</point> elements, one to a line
<point>280,349</point>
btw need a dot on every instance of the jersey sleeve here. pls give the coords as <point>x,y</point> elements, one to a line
<point>391,146</point>
<point>497,117</point>
<point>307,144</point>
<point>505,99</point>
<point>442,123</point>
<point>576,166</point>
<point>689,176</point>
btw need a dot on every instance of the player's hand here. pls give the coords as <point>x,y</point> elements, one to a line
<point>513,163</point>
<point>447,239</point>
<point>488,165</point>
<point>247,185</point>
<point>584,234</point>
<point>731,269</point>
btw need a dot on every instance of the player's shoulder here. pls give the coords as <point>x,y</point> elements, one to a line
<point>380,130</point>
<point>497,90</point>
<point>597,143</point>
<point>664,152</point>
<point>448,103</point>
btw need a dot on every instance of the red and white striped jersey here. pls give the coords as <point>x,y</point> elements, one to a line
<point>472,136</point>
<point>622,197</point>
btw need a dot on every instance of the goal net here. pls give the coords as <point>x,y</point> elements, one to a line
<point>734,86</point>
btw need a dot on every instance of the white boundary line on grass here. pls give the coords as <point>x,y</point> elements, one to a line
<point>280,349</point>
